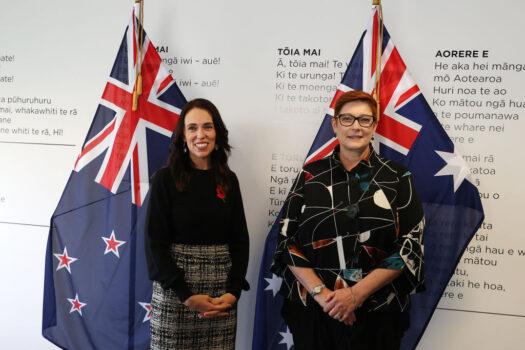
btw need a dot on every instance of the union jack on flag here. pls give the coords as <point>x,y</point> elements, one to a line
<point>409,133</point>
<point>123,137</point>
<point>97,292</point>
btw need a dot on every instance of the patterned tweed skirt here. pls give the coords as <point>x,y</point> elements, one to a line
<point>173,325</point>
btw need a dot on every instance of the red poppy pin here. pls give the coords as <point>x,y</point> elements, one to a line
<point>220,193</point>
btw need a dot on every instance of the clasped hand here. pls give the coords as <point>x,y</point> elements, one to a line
<point>209,307</point>
<point>339,304</point>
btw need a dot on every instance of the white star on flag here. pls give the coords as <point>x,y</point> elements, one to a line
<point>76,305</point>
<point>456,166</point>
<point>64,260</point>
<point>148,308</point>
<point>112,244</point>
<point>274,284</point>
<point>287,339</point>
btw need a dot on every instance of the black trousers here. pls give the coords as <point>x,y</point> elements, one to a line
<point>312,329</point>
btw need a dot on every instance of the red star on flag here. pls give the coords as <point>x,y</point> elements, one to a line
<point>76,305</point>
<point>112,244</point>
<point>148,308</point>
<point>64,260</point>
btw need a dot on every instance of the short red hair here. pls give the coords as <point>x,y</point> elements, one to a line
<point>356,95</point>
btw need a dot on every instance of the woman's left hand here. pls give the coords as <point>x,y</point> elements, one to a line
<point>225,299</point>
<point>340,305</point>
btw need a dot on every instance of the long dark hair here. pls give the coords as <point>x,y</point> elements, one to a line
<point>179,161</point>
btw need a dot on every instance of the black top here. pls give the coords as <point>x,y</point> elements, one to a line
<point>200,215</point>
<point>344,224</point>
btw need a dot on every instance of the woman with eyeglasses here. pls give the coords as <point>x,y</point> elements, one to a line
<point>197,243</point>
<point>350,248</point>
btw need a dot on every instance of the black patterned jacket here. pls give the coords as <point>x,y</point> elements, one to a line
<point>344,224</point>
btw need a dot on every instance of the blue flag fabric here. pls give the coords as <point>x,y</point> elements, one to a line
<point>410,134</point>
<point>97,292</point>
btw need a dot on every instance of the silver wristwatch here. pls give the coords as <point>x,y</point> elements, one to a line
<point>316,290</point>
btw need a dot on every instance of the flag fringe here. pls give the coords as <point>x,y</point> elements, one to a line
<point>379,55</point>
<point>137,91</point>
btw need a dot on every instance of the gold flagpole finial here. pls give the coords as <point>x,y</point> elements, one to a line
<point>376,2</point>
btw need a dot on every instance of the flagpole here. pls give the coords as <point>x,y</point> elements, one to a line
<point>137,91</point>
<point>379,54</point>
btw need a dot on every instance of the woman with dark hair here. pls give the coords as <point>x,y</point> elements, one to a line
<point>350,246</point>
<point>197,238</point>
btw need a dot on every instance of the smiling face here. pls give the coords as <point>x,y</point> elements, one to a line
<point>354,139</point>
<point>199,135</point>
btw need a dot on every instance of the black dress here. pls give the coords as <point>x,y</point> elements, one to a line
<point>344,224</point>
<point>197,243</point>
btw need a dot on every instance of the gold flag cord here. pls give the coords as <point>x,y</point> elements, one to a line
<point>379,54</point>
<point>137,91</point>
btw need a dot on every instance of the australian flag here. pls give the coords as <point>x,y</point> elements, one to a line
<point>97,292</point>
<point>408,133</point>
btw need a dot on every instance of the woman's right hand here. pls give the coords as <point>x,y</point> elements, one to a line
<point>203,303</point>
<point>321,297</point>
<point>341,304</point>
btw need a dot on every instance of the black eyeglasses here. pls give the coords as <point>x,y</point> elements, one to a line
<point>348,119</point>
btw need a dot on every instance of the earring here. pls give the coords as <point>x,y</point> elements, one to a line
<point>185,147</point>
<point>216,147</point>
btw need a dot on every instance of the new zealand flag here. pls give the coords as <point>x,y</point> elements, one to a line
<point>97,291</point>
<point>410,134</point>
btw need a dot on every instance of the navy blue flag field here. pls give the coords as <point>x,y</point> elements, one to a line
<point>410,134</point>
<point>97,292</point>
